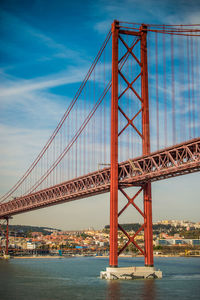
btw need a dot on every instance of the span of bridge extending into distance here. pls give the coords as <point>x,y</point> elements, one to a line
<point>170,162</point>
<point>137,111</point>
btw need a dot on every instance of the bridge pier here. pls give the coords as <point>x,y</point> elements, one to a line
<point>130,273</point>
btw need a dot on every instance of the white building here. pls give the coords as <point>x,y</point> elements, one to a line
<point>30,246</point>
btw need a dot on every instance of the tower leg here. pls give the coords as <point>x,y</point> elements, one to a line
<point>7,235</point>
<point>148,233</point>
<point>114,152</point>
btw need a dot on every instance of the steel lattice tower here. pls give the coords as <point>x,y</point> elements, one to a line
<point>117,34</point>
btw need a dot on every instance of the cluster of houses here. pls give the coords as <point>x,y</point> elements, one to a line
<point>94,242</point>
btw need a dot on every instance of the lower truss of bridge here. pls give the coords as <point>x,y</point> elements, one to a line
<point>170,162</point>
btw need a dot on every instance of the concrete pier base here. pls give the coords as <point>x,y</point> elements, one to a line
<point>130,273</point>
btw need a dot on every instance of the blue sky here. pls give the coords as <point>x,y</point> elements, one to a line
<point>46,49</point>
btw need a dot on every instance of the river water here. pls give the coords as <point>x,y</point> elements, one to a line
<point>78,278</point>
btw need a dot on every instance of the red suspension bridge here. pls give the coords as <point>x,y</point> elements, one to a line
<point>134,120</point>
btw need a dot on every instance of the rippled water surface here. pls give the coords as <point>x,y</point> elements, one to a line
<point>78,278</point>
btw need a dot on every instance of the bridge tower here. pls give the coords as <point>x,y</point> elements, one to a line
<point>118,33</point>
<point>6,236</point>
<point>147,215</point>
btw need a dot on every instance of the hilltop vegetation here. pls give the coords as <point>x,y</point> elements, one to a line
<point>162,228</point>
<point>26,230</point>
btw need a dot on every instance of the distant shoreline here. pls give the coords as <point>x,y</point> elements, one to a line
<point>102,256</point>
<point>36,257</point>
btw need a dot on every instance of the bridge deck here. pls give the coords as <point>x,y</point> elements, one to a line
<point>173,161</point>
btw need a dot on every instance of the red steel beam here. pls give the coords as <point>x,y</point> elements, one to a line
<point>114,150</point>
<point>173,161</point>
<point>7,235</point>
<point>147,200</point>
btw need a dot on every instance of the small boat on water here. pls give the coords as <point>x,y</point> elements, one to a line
<point>6,257</point>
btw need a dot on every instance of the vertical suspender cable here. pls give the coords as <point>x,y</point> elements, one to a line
<point>104,108</point>
<point>84,135</point>
<point>173,92</point>
<point>188,79</point>
<point>197,87</point>
<point>157,98</point>
<point>193,99</point>
<point>164,87</point>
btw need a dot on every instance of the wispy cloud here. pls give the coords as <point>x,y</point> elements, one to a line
<point>16,143</point>
<point>127,10</point>
<point>18,86</point>
<point>60,50</point>
<point>142,11</point>
<point>34,49</point>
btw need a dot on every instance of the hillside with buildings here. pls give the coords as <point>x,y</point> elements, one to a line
<point>170,237</point>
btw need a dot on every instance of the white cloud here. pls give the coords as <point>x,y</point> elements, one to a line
<point>20,86</point>
<point>18,148</point>
<point>25,32</point>
<point>142,11</point>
